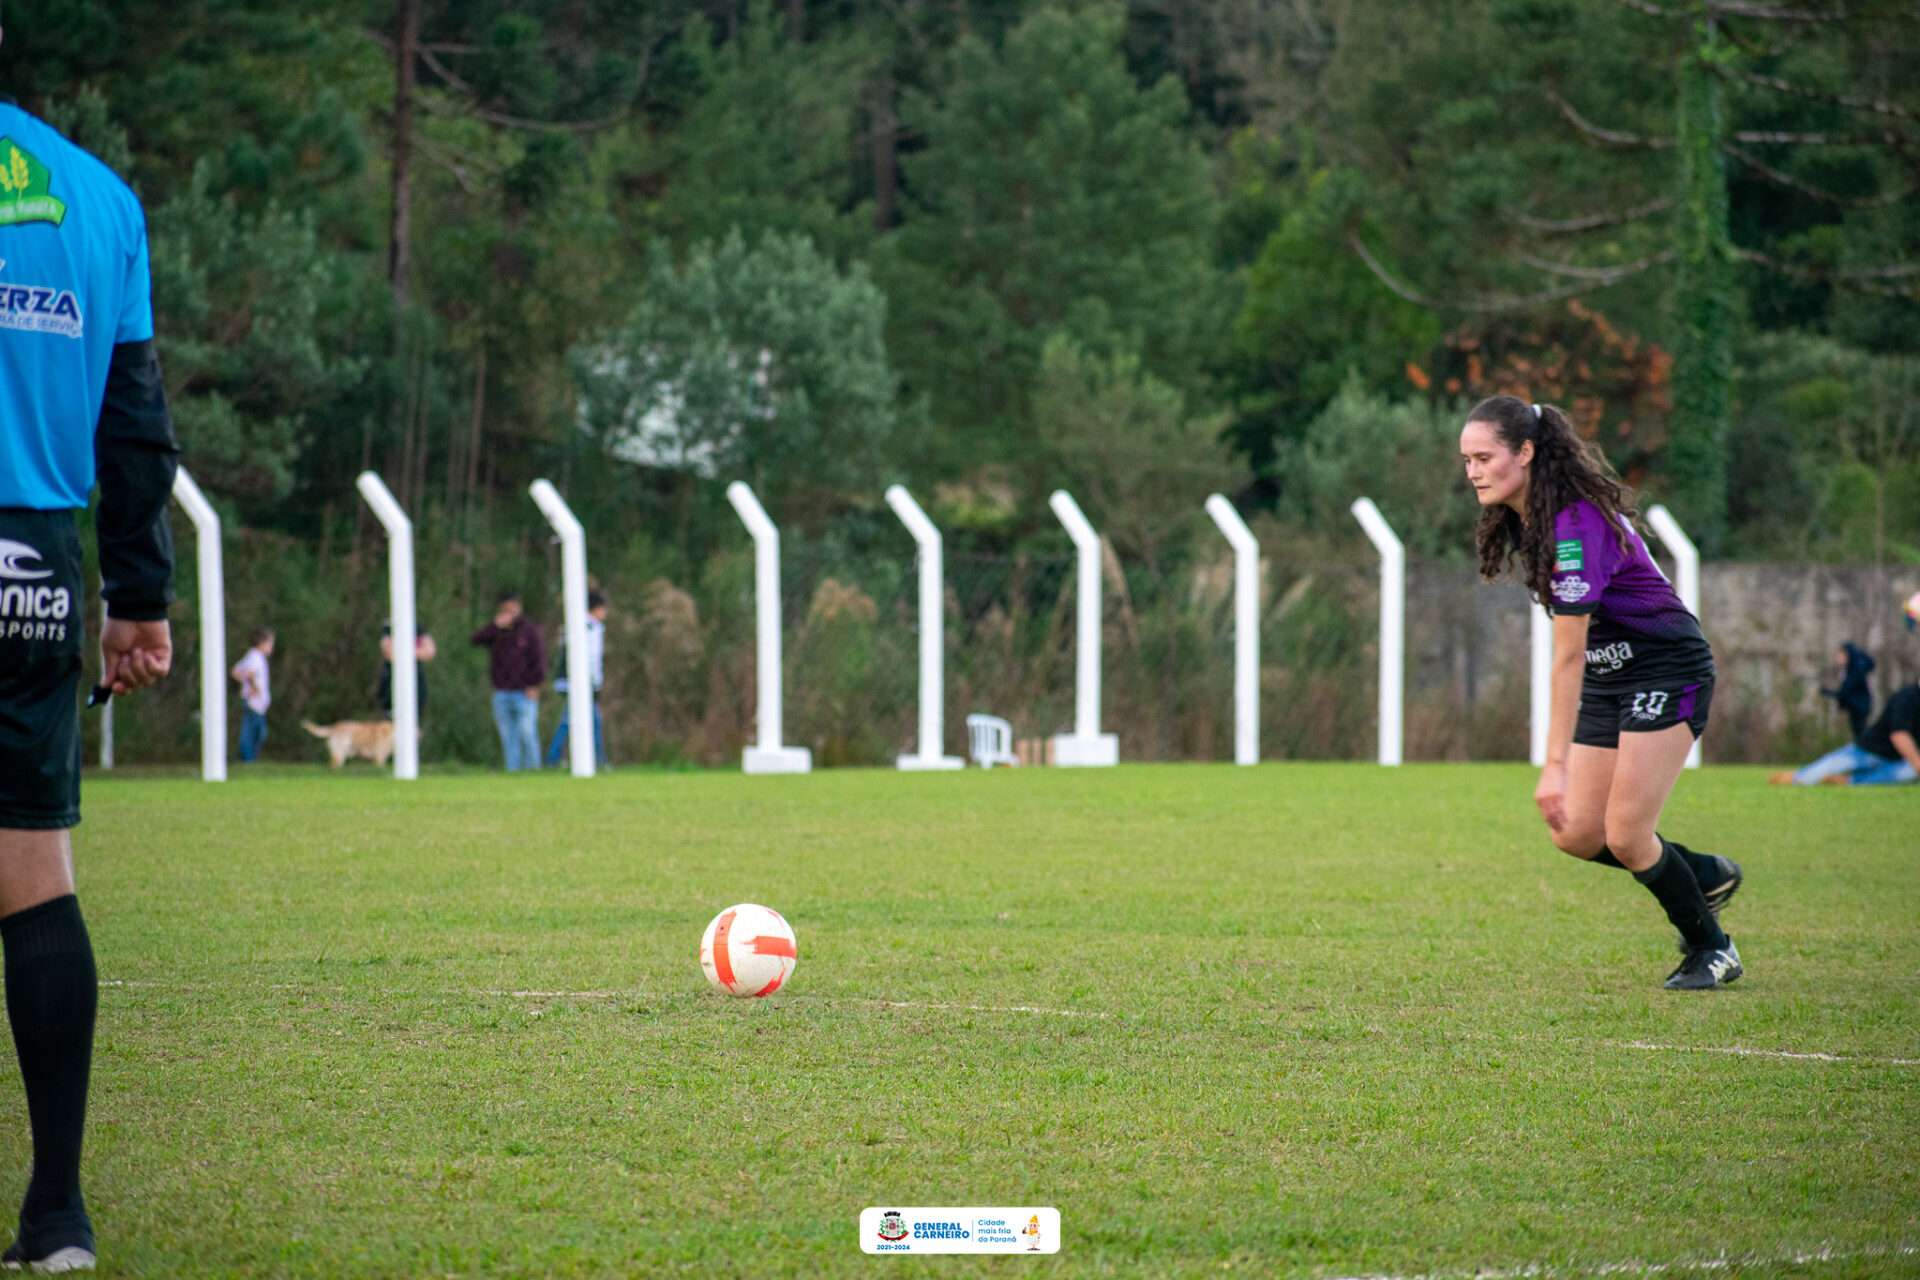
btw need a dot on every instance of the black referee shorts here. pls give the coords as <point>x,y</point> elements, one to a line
<point>1643,707</point>
<point>42,632</point>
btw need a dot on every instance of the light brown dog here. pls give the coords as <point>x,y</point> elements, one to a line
<point>345,739</point>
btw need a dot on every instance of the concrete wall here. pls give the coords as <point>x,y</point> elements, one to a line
<point>1774,628</point>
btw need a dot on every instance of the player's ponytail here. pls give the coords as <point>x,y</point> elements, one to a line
<point>1564,470</point>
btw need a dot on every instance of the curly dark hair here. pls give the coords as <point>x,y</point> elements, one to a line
<point>1564,470</point>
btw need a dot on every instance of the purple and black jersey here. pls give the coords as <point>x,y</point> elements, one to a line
<point>1639,626</point>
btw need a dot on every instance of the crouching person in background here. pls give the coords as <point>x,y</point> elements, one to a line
<point>1885,753</point>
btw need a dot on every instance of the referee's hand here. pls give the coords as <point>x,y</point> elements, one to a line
<point>134,654</point>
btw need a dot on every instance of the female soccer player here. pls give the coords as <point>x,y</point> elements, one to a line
<point>1620,730</point>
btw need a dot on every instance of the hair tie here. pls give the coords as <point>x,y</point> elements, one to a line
<point>1537,415</point>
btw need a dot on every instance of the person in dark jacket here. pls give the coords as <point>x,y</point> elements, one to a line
<point>1852,695</point>
<point>424,651</point>
<point>517,665</point>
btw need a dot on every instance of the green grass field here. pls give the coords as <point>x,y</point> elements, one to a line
<point>1301,1020</point>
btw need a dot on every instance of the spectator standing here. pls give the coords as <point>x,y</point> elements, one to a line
<point>596,672</point>
<point>255,692</point>
<point>1886,753</point>
<point>517,665</point>
<point>1852,694</point>
<point>424,651</point>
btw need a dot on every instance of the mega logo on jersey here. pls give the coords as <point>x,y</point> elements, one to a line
<point>25,188</point>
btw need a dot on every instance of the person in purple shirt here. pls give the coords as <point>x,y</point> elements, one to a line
<point>1632,673</point>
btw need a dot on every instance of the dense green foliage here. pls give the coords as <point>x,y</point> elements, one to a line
<point>992,247</point>
<point>1702,302</point>
<point>1287,1021</point>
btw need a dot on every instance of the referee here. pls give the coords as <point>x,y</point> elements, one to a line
<point>80,401</point>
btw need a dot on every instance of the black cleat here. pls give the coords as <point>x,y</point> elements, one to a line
<point>52,1244</point>
<point>1720,895</point>
<point>1707,968</point>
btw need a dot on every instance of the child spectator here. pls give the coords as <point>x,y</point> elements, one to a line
<point>251,672</point>
<point>596,673</point>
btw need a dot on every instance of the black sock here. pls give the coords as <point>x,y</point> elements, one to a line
<point>52,993</point>
<point>1705,867</point>
<point>1605,858</point>
<point>1671,881</point>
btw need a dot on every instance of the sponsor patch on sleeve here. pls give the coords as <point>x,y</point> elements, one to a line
<point>1567,557</point>
<point>1571,590</point>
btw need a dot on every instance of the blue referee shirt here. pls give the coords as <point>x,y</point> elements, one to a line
<point>74,281</point>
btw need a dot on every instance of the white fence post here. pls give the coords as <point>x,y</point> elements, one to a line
<point>1086,746</point>
<point>1393,624</point>
<point>1246,629</point>
<point>1686,565</point>
<point>1542,682</point>
<point>406,702</point>
<point>213,634</point>
<point>768,756</point>
<point>932,635</point>
<point>573,588</point>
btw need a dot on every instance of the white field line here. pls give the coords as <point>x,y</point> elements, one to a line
<point>991,1008</point>
<point>1649,1046</point>
<point>1744,1052</point>
<point>1732,1050</point>
<point>1724,1262</point>
<point>889,1004</point>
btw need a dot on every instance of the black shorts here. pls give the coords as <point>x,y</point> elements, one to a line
<point>1657,704</point>
<point>42,635</point>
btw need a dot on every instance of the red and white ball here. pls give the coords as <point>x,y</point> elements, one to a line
<point>748,950</point>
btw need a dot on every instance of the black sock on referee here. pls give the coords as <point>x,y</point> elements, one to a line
<point>1705,867</point>
<point>53,991</point>
<point>1605,858</point>
<point>1671,881</point>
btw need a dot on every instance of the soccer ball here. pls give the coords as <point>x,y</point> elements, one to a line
<point>1913,611</point>
<point>748,950</point>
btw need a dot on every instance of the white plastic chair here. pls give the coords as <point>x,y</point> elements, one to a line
<point>990,741</point>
